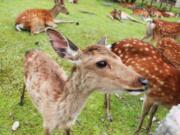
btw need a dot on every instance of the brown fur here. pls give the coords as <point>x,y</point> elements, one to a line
<point>36,20</point>
<point>141,12</point>
<point>171,50</point>
<point>60,99</point>
<point>166,29</point>
<point>164,77</point>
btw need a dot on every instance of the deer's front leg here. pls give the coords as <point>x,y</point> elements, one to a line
<point>64,21</point>
<point>107,105</point>
<point>67,131</point>
<point>51,24</point>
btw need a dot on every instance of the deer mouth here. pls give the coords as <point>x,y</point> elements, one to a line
<point>138,90</point>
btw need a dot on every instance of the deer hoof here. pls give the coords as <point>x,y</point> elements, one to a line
<point>110,119</point>
<point>77,23</point>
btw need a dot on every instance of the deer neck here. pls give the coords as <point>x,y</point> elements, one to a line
<point>54,11</point>
<point>75,95</point>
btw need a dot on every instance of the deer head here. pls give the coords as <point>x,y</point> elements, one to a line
<point>97,66</point>
<point>59,7</point>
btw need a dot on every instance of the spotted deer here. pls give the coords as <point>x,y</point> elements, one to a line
<point>164,78</point>
<point>128,5</point>
<point>60,99</point>
<point>158,29</point>
<point>36,20</point>
<point>170,49</point>
<point>120,15</point>
<point>141,12</point>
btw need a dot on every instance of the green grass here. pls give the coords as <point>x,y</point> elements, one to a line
<point>13,45</point>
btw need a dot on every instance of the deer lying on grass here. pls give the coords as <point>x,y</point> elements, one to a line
<point>141,12</point>
<point>171,50</point>
<point>128,5</point>
<point>36,20</point>
<point>164,78</point>
<point>158,29</point>
<point>120,15</point>
<point>60,99</point>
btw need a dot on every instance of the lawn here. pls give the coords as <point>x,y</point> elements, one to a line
<point>13,44</point>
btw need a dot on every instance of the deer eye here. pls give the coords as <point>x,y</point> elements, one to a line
<point>101,64</point>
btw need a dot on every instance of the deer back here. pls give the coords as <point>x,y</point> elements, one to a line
<point>44,79</point>
<point>37,17</point>
<point>147,61</point>
<point>166,29</point>
<point>171,50</point>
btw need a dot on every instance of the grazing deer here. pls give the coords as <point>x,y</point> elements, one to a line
<point>36,20</point>
<point>171,50</point>
<point>60,99</point>
<point>120,15</point>
<point>164,78</point>
<point>158,29</point>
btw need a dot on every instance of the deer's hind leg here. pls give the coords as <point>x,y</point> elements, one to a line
<point>148,103</point>
<point>37,27</point>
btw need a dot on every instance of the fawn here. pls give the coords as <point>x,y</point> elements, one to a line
<point>36,20</point>
<point>164,78</point>
<point>60,99</point>
<point>73,1</point>
<point>171,50</point>
<point>158,29</point>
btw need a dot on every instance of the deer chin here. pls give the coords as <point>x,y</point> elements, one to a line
<point>136,91</point>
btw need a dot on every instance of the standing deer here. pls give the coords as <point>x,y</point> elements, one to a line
<point>158,29</point>
<point>60,99</point>
<point>171,50</point>
<point>120,15</point>
<point>164,78</point>
<point>36,20</point>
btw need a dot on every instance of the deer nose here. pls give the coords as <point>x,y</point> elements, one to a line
<point>67,13</point>
<point>143,81</point>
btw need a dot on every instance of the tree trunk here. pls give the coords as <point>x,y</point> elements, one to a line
<point>177,3</point>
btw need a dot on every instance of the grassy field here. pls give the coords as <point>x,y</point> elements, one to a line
<point>13,44</point>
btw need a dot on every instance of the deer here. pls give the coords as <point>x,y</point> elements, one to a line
<point>59,98</point>
<point>120,15</point>
<point>170,49</point>
<point>128,5</point>
<point>36,20</point>
<point>163,76</point>
<point>141,12</point>
<point>158,29</point>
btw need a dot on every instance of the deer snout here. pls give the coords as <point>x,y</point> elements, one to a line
<point>144,82</point>
<point>67,13</point>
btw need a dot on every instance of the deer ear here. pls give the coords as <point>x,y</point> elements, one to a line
<point>102,41</point>
<point>62,46</point>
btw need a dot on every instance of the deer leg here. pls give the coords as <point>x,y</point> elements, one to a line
<point>153,110</point>
<point>22,95</point>
<point>64,21</point>
<point>51,24</point>
<point>146,108</point>
<point>107,105</point>
<point>37,29</point>
<point>47,132</point>
<point>67,131</point>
